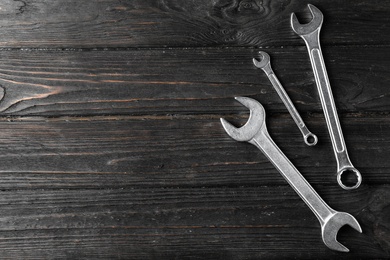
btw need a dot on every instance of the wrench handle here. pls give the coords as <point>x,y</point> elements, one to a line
<point>327,100</point>
<point>319,207</point>
<point>328,105</point>
<point>309,138</point>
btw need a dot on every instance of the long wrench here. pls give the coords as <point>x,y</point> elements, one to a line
<point>265,64</point>
<point>310,33</point>
<point>255,132</point>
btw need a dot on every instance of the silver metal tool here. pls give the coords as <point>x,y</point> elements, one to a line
<point>255,132</point>
<point>265,64</point>
<point>310,33</point>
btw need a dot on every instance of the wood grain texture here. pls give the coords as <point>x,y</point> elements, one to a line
<point>175,187</point>
<point>214,223</point>
<point>149,23</point>
<point>111,146</point>
<point>176,152</point>
<point>185,81</point>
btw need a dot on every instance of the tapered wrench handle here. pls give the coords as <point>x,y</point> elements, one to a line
<point>309,138</point>
<point>264,142</point>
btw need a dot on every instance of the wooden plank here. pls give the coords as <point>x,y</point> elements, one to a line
<point>241,223</point>
<point>111,146</point>
<point>185,81</point>
<point>175,152</point>
<point>141,23</point>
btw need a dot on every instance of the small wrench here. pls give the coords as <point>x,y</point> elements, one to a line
<point>310,33</point>
<point>265,64</point>
<point>255,132</point>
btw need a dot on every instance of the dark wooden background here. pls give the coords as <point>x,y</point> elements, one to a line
<point>111,145</point>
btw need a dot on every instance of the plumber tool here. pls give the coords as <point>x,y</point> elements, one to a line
<point>265,64</point>
<point>310,33</point>
<point>255,132</point>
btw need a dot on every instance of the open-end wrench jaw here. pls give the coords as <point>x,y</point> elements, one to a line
<point>312,26</point>
<point>254,124</point>
<point>263,60</point>
<point>331,227</point>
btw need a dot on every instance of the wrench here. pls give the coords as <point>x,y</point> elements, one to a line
<point>255,132</point>
<point>265,64</point>
<point>310,33</point>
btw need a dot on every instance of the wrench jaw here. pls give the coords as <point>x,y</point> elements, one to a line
<point>311,27</point>
<point>263,61</point>
<point>254,124</point>
<point>331,227</point>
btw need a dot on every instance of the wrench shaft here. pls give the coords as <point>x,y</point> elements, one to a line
<point>287,101</point>
<point>264,142</point>
<point>289,104</point>
<point>327,101</point>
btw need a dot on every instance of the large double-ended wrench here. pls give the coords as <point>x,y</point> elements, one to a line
<point>310,33</point>
<point>255,132</point>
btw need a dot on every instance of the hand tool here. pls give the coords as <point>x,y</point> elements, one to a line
<point>265,64</point>
<point>255,132</point>
<point>310,33</point>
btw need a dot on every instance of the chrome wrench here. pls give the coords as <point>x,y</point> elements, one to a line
<point>255,132</point>
<point>265,64</point>
<point>310,33</point>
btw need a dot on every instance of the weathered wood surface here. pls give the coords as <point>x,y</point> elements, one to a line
<point>176,152</point>
<point>151,23</point>
<point>185,81</point>
<point>222,223</point>
<point>129,187</point>
<point>111,146</point>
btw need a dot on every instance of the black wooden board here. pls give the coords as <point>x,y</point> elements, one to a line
<point>185,81</point>
<point>111,145</point>
<point>177,152</point>
<point>173,23</point>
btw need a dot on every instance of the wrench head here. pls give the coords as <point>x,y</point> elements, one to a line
<point>333,225</point>
<point>255,122</point>
<point>313,25</point>
<point>263,61</point>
